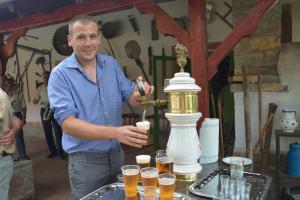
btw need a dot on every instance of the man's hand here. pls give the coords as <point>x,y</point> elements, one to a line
<point>7,138</point>
<point>135,97</point>
<point>131,136</point>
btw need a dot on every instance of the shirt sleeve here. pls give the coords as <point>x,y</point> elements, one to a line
<point>126,86</point>
<point>60,97</point>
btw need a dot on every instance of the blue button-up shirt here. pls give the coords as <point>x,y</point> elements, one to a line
<point>71,92</point>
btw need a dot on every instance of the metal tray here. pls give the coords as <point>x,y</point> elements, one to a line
<point>210,185</point>
<point>115,191</point>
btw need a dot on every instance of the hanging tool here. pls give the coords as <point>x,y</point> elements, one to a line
<point>133,51</point>
<point>164,66</point>
<point>154,31</point>
<point>150,60</point>
<point>133,23</point>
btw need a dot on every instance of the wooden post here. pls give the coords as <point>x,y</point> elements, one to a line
<point>247,115</point>
<point>198,43</point>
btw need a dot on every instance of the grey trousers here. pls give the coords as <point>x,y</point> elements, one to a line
<point>6,172</point>
<point>90,171</point>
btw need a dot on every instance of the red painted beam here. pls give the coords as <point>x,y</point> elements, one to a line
<point>198,52</point>
<point>245,28</point>
<point>165,23</point>
<point>91,7</point>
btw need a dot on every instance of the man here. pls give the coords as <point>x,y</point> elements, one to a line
<point>226,108</point>
<point>18,104</point>
<point>9,126</point>
<point>86,91</point>
<point>48,119</point>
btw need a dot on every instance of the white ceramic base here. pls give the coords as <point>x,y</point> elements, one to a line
<point>187,169</point>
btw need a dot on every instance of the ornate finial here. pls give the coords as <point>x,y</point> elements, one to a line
<point>181,53</point>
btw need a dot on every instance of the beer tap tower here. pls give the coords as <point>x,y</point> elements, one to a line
<point>183,144</point>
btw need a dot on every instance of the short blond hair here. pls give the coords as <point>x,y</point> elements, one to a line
<point>82,19</point>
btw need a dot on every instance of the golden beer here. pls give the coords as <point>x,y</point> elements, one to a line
<point>166,186</point>
<point>143,161</point>
<point>145,125</point>
<point>149,176</point>
<point>149,193</point>
<point>130,178</point>
<point>164,165</point>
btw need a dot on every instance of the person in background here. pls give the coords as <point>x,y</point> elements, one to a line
<point>86,91</point>
<point>48,119</point>
<point>18,104</point>
<point>9,127</point>
<point>226,108</point>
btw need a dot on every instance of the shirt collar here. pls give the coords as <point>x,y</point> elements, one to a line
<point>72,61</point>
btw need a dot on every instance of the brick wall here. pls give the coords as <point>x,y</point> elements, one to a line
<point>259,52</point>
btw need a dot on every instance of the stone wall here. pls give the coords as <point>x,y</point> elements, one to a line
<point>21,186</point>
<point>260,51</point>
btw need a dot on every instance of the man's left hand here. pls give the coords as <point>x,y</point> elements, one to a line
<point>7,138</point>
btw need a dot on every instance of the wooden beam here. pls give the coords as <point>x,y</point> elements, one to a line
<point>165,24</point>
<point>198,52</point>
<point>245,28</point>
<point>91,7</point>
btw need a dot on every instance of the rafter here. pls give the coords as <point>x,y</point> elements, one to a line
<point>91,7</point>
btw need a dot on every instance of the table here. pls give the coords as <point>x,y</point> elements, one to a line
<point>280,175</point>
<point>183,187</point>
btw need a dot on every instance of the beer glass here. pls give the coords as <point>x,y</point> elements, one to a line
<point>130,177</point>
<point>149,193</point>
<point>149,176</point>
<point>145,125</point>
<point>143,160</point>
<point>163,163</point>
<point>166,185</point>
<point>237,169</point>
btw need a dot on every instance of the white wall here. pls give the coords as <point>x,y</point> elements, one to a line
<point>176,9</point>
<point>289,70</point>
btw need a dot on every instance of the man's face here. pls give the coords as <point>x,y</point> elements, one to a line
<point>85,40</point>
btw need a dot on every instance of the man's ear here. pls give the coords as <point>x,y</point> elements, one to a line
<point>69,38</point>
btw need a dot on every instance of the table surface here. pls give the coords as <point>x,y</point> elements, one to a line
<point>206,169</point>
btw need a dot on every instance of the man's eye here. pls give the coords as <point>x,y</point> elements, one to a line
<point>93,36</point>
<point>81,37</point>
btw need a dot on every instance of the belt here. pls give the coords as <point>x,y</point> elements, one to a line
<point>4,154</point>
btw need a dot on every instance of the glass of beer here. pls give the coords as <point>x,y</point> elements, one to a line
<point>149,193</point>
<point>149,176</point>
<point>145,125</point>
<point>143,160</point>
<point>130,177</point>
<point>164,163</point>
<point>166,186</point>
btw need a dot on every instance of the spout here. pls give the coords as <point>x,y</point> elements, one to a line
<point>157,102</point>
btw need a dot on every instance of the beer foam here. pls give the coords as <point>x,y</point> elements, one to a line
<point>166,181</point>
<point>130,172</point>
<point>149,174</point>
<point>144,125</point>
<point>143,159</point>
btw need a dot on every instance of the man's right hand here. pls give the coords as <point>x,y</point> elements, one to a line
<point>131,136</point>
